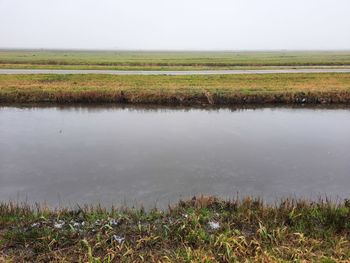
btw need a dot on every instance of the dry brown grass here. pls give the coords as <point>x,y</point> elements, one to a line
<point>188,90</point>
<point>245,231</point>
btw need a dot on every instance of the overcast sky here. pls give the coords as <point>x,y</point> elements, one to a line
<point>176,24</point>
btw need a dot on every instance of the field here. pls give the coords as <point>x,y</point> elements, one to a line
<point>205,229</point>
<point>156,60</point>
<point>177,90</point>
<point>184,90</point>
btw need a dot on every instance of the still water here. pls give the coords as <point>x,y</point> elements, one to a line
<point>109,155</point>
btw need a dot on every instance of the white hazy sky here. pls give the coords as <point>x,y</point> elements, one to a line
<point>175,24</point>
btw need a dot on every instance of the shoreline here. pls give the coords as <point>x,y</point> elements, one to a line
<point>155,107</point>
<point>198,90</point>
<point>199,100</point>
<point>202,229</point>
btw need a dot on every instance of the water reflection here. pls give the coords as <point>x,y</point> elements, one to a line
<point>157,155</point>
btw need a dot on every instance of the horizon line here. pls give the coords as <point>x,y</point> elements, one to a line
<point>166,50</point>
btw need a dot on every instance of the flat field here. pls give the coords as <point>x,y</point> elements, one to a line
<point>183,90</point>
<point>157,60</point>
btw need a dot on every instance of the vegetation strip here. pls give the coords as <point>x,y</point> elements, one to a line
<point>204,229</point>
<point>169,60</point>
<point>177,90</point>
<point>172,72</point>
<point>164,68</point>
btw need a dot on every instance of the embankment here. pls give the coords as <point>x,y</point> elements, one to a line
<point>204,229</point>
<point>314,88</point>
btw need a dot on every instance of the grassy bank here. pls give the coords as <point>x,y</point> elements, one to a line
<point>157,60</point>
<point>205,229</point>
<point>177,90</point>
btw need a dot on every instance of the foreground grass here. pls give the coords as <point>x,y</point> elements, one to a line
<point>184,90</point>
<point>157,60</point>
<point>205,229</point>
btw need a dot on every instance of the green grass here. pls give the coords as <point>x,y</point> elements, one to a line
<point>185,90</point>
<point>205,229</point>
<point>168,60</point>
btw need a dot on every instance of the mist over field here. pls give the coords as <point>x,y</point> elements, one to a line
<point>175,25</point>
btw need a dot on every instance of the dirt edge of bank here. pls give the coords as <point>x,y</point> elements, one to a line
<point>159,98</point>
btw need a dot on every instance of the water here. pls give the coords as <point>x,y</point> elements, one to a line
<point>69,155</point>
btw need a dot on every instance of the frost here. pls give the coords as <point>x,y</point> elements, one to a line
<point>214,225</point>
<point>58,224</point>
<point>113,222</point>
<point>35,224</point>
<point>119,239</point>
<point>78,225</point>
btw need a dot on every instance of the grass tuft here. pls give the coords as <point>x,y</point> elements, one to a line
<point>204,229</point>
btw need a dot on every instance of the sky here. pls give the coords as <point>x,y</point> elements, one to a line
<point>176,24</point>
